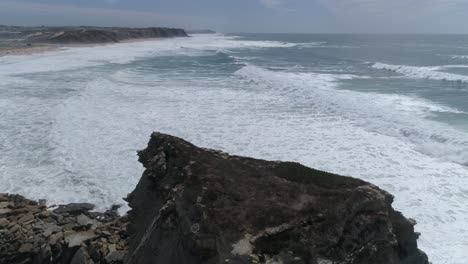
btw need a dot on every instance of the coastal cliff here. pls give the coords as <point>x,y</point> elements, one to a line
<point>89,35</point>
<point>196,205</point>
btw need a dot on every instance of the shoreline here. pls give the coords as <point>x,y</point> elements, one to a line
<point>28,50</point>
<point>45,48</point>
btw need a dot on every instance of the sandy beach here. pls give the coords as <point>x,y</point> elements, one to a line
<point>42,48</point>
<point>28,50</point>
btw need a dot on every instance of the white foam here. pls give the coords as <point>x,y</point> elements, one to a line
<point>463,57</point>
<point>453,66</point>
<point>311,44</point>
<point>72,135</point>
<point>123,53</point>
<point>431,73</point>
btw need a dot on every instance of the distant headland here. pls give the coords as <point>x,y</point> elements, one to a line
<point>18,39</point>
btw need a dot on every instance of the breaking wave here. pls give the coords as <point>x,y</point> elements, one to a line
<point>431,73</point>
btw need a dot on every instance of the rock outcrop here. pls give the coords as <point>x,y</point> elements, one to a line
<point>30,233</point>
<point>87,35</point>
<point>195,205</point>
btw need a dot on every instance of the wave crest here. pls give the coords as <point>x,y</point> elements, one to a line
<point>431,73</point>
<point>388,114</point>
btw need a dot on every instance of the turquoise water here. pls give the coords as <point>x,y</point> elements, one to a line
<point>388,109</point>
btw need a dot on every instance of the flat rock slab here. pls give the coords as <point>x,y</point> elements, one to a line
<point>74,208</point>
<point>5,211</point>
<point>75,239</point>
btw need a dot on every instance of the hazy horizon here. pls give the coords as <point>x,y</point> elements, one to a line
<point>249,16</point>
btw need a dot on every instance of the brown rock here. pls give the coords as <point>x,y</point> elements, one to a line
<point>83,220</point>
<point>28,247</point>
<point>19,211</point>
<point>6,205</point>
<point>4,222</point>
<point>57,217</point>
<point>5,211</point>
<point>43,214</point>
<point>25,218</point>
<point>50,228</point>
<point>55,238</point>
<point>15,228</point>
<point>112,247</point>
<point>75,239</point>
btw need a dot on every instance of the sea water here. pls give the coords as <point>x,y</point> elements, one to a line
<point>389,109</point>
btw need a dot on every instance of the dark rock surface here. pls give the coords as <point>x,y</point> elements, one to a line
<point>195,205</point>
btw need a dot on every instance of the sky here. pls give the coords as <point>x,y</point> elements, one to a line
<point>256,16</point>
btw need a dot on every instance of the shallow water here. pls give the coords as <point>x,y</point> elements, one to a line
<point>391,110</point>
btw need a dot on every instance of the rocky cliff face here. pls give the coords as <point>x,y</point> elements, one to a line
<point>102,35</point>
<point>194,205</point>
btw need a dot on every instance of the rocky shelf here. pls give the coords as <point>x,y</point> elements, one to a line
<point>196,205</point>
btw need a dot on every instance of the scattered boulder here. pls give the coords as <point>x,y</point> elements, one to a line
<point>74,208</point>
<point>83,220</point>
<point>4,222</point>
<point>5,211</point>
<point>29,233</point>
<point>75,239</point>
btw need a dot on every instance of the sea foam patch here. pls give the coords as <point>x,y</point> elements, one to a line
<point>431,73</point>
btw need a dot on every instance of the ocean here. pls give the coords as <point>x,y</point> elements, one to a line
<point>389,109</point>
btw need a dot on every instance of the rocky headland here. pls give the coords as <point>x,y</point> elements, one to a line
<point>196,205</point>
<point>15,40</point>
<point>91,35</point>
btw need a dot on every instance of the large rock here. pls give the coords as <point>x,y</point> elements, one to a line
<point>195,205</point>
